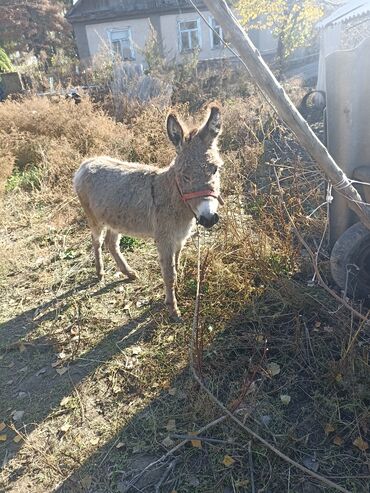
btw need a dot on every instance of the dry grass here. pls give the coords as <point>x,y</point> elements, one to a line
<point>101,374</point>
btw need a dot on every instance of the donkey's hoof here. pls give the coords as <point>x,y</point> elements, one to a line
<point>132,275</point>
<point>101,277</point>
<point>175,316</point>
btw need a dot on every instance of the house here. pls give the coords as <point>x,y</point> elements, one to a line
<point>343,29</point>
<point>124,26</point>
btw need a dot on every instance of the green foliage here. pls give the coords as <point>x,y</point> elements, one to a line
<point>153,54</point>
<point>290,21</point>
<point>129,244</point>
<point>5,63</point>
<point>27,180</point>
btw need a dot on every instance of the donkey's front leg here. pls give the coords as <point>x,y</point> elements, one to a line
<point>167,258</point>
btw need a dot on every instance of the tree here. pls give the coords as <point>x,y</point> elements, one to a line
<point>291,21</point>
<point>5,63</point>
<point>35,25</point>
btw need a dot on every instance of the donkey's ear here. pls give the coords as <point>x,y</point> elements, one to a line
<point>213,125</point>
<point>175,131</point>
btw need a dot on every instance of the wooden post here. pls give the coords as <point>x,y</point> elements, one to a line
<point>284,106</point>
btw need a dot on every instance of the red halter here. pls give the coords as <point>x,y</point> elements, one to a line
<point>194,195</point>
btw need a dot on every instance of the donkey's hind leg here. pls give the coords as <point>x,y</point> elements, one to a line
<point>98,235</point>
<point>112,241</point>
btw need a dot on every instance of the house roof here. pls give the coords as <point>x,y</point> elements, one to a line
<point>100,10</point>
<point>351,9</point>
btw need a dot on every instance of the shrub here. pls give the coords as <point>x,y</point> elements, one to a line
<point>56,137</point>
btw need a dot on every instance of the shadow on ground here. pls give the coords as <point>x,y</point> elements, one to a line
<point>236,355</point>
<point>30,380</point>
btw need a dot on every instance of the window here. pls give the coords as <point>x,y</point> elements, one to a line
<point>216,42</point>
<point>189,35</point>
<point>121,43</point>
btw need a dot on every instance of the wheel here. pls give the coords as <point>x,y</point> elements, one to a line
<point>350,261</point>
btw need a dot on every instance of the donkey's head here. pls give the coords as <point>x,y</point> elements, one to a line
<point>197,164</point>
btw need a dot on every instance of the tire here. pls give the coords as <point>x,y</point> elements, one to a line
<point>350,262</point>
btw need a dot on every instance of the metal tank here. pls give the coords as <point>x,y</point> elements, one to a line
<point>348,141</point>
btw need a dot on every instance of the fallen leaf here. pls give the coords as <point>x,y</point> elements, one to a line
<point>65,400</point>
<point>171,425</point>
<point>95,441</point>
<point>329,428</point>
<point>168,442</point>
<point>172,391</point>
<point>338,440</point>
<point>338,377</point>
<point>136,350</point>
<point>17,439</point>
<point>22,347</point>
<point>130,363</point>
<point>360,444</point>
<point>55,364</point>
<point>2,426</point>
<point>65,427</point>
<point>195,443</point>
<point>228,461</point>
<point>86,482</point>
<point>120,445</point>
<point>41,371</point>
<point>273,369</point>
<point>3,437</point>
<point>311,463</point>
<point>17,415</point>
<point>285,399</point>
<point>61,371</point>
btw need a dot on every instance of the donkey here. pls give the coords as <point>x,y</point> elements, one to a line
<point>160,203</point>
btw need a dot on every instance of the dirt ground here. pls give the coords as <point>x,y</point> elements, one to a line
<point>95,380</point>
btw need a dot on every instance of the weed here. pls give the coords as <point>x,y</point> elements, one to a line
<point>27,180</point>
<point>129,243</point>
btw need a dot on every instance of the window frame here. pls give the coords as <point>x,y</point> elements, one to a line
<point>211,33</point>
<point>198,30</point>
<point>129,38</point>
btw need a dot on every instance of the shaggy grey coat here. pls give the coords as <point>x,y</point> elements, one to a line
<point>145,201</point>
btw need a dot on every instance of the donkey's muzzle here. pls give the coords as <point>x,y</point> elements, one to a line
<point>208,222</point>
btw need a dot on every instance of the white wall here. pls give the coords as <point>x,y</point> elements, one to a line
<point>98,35</point>
<point>169,31</point>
